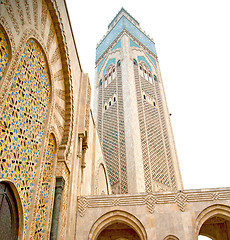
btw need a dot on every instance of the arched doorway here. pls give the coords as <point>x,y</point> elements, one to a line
<point>117,225</point>
<point>9,217</point>
<point>214,223</point>
<point>118,231</point>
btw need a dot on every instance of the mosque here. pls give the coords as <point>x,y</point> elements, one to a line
<point>69,172</point>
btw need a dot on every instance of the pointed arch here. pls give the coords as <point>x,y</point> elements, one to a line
<point>216,210</point>
<point>11,210</point>
<point>5,52</point>
<point>117,216</point>
<point>23,121</point>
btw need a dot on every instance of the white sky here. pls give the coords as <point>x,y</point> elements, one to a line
<point>193,46</point>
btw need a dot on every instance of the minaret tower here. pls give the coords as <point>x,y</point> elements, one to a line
<point>131,111</point>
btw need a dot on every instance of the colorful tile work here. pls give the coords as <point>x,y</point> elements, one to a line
<point>22,123</point>
<point>45,190</point>
<point>122,24</point>
<point>4,53</point>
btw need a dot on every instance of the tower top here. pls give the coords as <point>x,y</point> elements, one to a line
<point>120,14</point>
<point>124,22</point>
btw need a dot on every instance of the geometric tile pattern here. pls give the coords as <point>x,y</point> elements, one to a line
<point>23,121</point>
<point>4,53</point>
<point>45,190</point>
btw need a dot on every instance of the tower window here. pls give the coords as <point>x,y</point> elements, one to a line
<point>114,99</point>
<point>135,62</point>
<point>114,70</point>
<point>144,97</point>
<point>110,103</point>
<point>155,78</point>
<point>105,107</point>
<point>119,63</point>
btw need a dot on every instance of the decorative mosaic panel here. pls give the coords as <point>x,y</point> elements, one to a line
<point>4,53</point>
<point>45,190</point>
<point>23,121</point>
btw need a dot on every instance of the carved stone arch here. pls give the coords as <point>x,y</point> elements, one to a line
<point>64,52</point>
<point>5,52</point>
<point>8,31</point>
<point>117,216</point>
<point>101,167</point>
<point>216,210</point>
<point>19,210</point>
<point>171,237</point>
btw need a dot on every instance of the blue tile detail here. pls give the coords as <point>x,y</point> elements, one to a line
<point>100,64</point>
<point>111,61</point>
<point>133,44</point>
<point>122,24</point>
<point>142,58</point>
<point>153,60</point>
<point>118,45</point>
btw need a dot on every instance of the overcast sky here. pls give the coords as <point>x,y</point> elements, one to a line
<point>193,45</point>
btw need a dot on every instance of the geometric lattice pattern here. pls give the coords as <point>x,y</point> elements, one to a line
<point>23,121</point>
<point>111,130</point>
<point>45,190</point>
<point>4,53</point>
<point>157,159</point>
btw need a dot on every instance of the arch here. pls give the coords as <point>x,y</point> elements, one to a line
<point>18,204</point>
<point>64,53</point>
<point>5,52</point>
<point>217,210</point>
<point>171,237</point>
<point>102,180</point>
<point>46,188</point>
<point>117,216</point>
<point>23,121</point>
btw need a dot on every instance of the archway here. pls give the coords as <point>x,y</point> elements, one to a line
<point>118,231</point>
<point>214,222</point>
<point>117,225</point>
<point>10,212</point>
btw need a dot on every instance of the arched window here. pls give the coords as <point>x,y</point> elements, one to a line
<point>118,63</point>
<point>135,62</point>
<point>9,219</point>
<point>155,78</point>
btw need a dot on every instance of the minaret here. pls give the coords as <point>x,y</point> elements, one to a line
<point>131,111</point>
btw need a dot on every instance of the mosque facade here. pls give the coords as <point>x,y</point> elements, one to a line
<point>65,175</point>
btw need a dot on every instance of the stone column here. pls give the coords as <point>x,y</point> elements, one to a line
<point>60,182</point>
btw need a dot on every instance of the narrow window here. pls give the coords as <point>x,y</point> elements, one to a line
<point>155,78</point>
<point>119,63</point>
<point>105,107</point>
<point>114,99</point>
<point>110,103</point>
<point>144,97</point>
